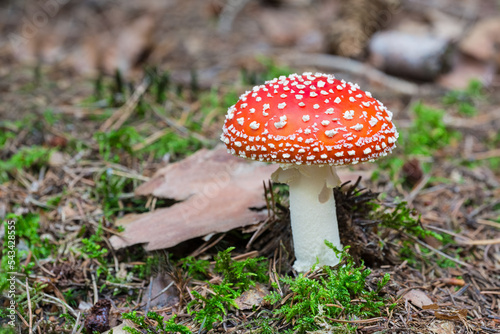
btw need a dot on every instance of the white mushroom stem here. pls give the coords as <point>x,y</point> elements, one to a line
<point>313,213</point>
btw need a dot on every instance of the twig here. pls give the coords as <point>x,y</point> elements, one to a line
<point>126,286</point>
<point>479,242</point>
<point>438,252</point>
<point>29,306</point>
<point>207,245</point>
<point>337,63</point>
<point>181,130</point>
<point>96,292</point>
<point>411,196</point>
<point>488,223</point>
<point>54,300</point>
<point>130,175</point>
<point>121,115</point>
<point>486,155</point>
<point>479,209</point>
<point>150,290</point>
<point>156,296</point>
<point>228,14</point>
<point>22,319</point>
<point>76,324</point>
<point>150,140</point>
<point>363,321</point>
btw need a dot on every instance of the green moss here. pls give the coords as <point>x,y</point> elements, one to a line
<point>340,292</point>
<point>145,324</point>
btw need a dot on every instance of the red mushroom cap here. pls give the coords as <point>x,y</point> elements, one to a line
<point>309,119</point>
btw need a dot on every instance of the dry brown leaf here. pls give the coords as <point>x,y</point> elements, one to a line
<point>253,297</point>
<point>451,314</point>
<point>418,298</point>
<point>430,307</point>
<point>480,42</point>
<point>442,327</point>
<point>167,298</point>
<point>464,70</point>
<point>217,190</point>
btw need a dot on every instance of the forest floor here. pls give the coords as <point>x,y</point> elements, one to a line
<point>423,224</point>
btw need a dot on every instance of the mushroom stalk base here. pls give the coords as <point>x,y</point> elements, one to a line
<point>313,214</point>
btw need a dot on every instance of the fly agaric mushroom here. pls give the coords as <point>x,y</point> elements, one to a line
<point>310,123</point>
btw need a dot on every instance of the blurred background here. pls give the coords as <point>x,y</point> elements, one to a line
<point>443,41</point>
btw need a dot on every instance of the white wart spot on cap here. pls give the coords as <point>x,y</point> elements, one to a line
<point>357,127</point>
<point>281,124</point>
<point>348,114</point>
<point>331,133</point>
<point>373,121</point>
<point>254,125</point>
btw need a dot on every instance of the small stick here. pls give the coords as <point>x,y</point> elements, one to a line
<point>479,242</point>
<point>364,321</point>
<point>77,322</point>
<point>354,67</point>
<point>150,140</point>
<point>54,300</point>
<point>439,252</point>
<point>29,306</point>
<point>228,14</point>
<point>122,114</point>
<point>486,155</point>
<point>150,290</point>
<point>96,293</point>
<point>411,196</point>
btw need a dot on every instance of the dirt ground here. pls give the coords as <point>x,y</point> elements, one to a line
<point>97,96</point>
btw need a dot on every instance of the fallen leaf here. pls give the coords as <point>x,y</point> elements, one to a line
<point>252,297</point>
<point>430,307</point>
<point>418,298</point>
<point>442,327</point>
<point>464,70</point>
<point>57,159</point>
<point>451,314</point>
<point>167,298</point>
<point>480,42</point>
<point>217,190</point>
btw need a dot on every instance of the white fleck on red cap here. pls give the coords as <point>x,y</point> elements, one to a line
<point>309,119</point>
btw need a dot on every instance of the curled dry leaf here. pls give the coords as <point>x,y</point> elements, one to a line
<point>418,298</point>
